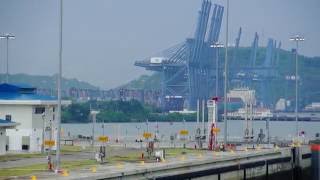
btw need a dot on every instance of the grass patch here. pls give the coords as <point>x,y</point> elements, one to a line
<point>13,157</point>
<point>64,150</point>
<point>129,157</point>
<point>36,168</point>
<point>173,152</point>
<point>74,149</point>
<point>68,149</point>
<point>136,156</point>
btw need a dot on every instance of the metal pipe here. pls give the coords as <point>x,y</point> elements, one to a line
<point>198,113</point>
<point>7,69</point>
<point>268,130</point>
<point>217,72</point>
<point>203,124</point>
<point>296,105</point>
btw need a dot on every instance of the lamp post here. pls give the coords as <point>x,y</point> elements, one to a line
<point>297,39</point>
<point>59,90</point>
<point>7,37</point>
<point>225,79</point>
<point>217,46</point>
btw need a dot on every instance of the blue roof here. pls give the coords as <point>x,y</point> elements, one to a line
<point>18,96</point>
<point>16,88</point>
<point>21,92</point>
<point>22,85</point>
<point>5,121</point>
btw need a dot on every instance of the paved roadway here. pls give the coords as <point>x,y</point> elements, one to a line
<point>134,167</point>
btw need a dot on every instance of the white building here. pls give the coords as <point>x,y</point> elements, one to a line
<point>4,125</point>
<point>281,105</point>
<point>33,112</point>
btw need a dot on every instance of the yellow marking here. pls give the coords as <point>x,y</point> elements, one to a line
<point>147,135</point>
<point>94,169</point>
<point>216,153</point>
<point>33,177</point>
<point>232,152</point>
<point>184,132</point>
<point>65,173</point>
<point>182,158</point>
<point>142,163</point>
<point>120,166</point>
<point>103,138</point>
<point>216,130</point>
<point>258,148</point>
<point>49,143</point>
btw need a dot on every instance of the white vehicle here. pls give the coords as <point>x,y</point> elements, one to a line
<point>157,60</point>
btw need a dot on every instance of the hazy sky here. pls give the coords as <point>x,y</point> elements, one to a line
<point>103,38</point>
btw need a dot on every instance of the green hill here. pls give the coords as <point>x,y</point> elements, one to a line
<point>46,82</point>
<point>147,82</point>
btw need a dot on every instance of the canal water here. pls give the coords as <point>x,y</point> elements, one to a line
<point>281,130</point>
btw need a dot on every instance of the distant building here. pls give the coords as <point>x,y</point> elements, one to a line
<point>258,113</point>
<point>281,105</point>
<point>315,106</point>
<point>33,112</point>
<point>4,125</point>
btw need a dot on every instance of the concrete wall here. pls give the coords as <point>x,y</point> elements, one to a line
<point>2,141</point>
<point>31,125</point>
<point>19,113</point>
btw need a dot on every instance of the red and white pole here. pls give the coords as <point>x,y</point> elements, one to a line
<point>212,119</point>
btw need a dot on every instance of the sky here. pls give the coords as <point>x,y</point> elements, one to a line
<point>103,38</point>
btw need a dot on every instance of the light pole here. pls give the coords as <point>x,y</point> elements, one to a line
<point>217,46</point>
<point>59,90</point>
<point>225,78</point>
<point>7,37</point>
<point>297,39</point>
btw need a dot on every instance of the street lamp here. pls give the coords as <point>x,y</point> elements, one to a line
<point>297,39</point>
<point>217,46</point>
<point>7,37</point>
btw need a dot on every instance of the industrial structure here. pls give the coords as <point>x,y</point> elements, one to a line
<point>189,68</point>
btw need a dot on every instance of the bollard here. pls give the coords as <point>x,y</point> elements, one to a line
<point>142,163</point>
<point>315,160</point>
<point>296,160</point>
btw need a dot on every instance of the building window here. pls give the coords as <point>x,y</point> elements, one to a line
<point>8,117</point>
<point>39,110</point>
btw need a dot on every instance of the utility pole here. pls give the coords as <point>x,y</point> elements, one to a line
<point>59,91</point>
<point>297,39</point>
<point>225,78</point>
<point>7,37</point>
